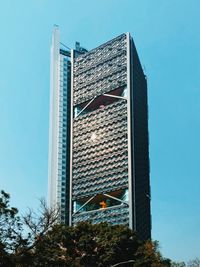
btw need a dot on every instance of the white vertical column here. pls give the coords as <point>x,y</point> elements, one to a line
<point>131,185</point>
<point>71,137</point>
<point>54,118</point>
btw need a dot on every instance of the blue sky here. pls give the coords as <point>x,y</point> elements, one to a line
<point>167,37</point>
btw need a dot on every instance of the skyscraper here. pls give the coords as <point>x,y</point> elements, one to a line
<point>104,132</point>
<point>59,133</point>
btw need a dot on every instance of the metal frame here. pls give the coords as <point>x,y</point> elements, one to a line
<point>84,205</point>
<point>130,187</point>
<point>71,138</point>
<point>100,210</point>
<point>85,106</point>
<point>133,156</point>
<point>115,198</point>
<point>107,195</point>
<point>115,96</point>
<point>108,95</point>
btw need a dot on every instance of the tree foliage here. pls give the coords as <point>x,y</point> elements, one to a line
<point>10,230</point>
<point>37,239</point>
<point>194,263</point>
<point>20,235</point>
<point>178,264</point>
<point>87,245</point>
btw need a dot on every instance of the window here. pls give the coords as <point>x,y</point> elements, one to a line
<point>102,201</point>
<point>101,101</point>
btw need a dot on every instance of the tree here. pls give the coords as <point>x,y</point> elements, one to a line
<point>10,230</point>
<point>178,264</point>
<point>149,255</point>
<point>86,245</point>
<point>20,235</point>
<point>36,225</point>
<point>38,239</point>
<point>194,263</point>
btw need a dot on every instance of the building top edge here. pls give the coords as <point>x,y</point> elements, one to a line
<point>102,45</point>
<point>65,52</point>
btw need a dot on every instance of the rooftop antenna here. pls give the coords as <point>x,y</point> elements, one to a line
<point>65,46</point>
<point>77,46</point>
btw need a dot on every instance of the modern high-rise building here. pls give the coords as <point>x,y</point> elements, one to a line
<point>59,133</point>
<point>99,149</point>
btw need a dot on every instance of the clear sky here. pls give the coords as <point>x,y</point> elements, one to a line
<point>167,37</point>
